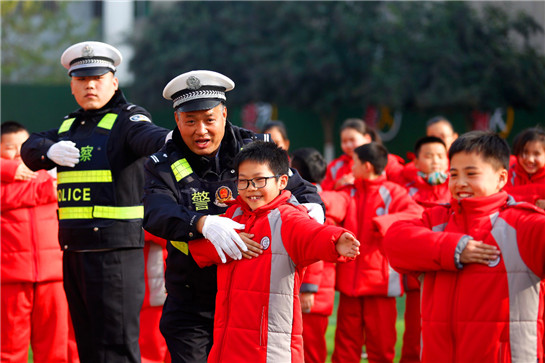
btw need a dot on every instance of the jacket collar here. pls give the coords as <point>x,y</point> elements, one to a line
<point>368,183</point>
<point>283,198</point>
<point>481,205</point>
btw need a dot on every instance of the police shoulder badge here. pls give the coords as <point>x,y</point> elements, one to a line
<point>139,117</point>
<point>223,194</point>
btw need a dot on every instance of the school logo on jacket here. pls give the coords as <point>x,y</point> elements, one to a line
<point>494,263</point>
<point>223,194</point>
<point>265,242</point>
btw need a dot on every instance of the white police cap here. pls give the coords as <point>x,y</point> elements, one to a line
<point>90,59</point>
<point>197,90</point>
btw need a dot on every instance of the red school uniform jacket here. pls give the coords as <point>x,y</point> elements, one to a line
<point>370,207</point>
<point>524,187</point>
<point>343,165</point>
<point>475,312</point>
<point>29,228</point>
<point>258,313</point>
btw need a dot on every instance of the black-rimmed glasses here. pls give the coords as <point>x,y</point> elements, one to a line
<point>258,183</point>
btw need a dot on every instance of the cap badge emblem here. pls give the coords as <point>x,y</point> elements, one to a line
<point>87,51</point>
<point>193,83</point>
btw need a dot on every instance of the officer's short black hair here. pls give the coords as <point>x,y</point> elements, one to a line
<point>374,153</point>
<point>263,152</point>
<point>11,127</point>
<point>490,146</point>
<point>310,164</point>
<point>427,140</point>
<point>528,135</point>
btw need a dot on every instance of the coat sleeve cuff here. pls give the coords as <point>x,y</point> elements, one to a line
<point>462,243</point>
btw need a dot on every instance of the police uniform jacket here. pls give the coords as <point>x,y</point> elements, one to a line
<point>100,198</point>
<point>182,187</point>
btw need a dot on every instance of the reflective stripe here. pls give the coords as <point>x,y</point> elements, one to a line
<point>84,176</point>
<point>182,246</point>
<point>65,126</point>
<point>99,211</point>
<point>181,169</point>
<point>107,121</point>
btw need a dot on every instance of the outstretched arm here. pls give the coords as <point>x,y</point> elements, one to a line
<point>347,245</point>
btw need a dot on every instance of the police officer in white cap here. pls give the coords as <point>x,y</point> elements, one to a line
<point>188,183</point>
<point>99,152</point>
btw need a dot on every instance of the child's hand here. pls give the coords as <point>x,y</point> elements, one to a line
<point>348,245</point>
<point>307,301</point>
<point>478,252</point>
<point>24,173</point>
<point>254,248</point>
<point>347,179</point>
<point>540,203</point>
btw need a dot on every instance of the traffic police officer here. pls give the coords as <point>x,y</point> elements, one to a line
<point>99,153</point>
<point>188,183</point>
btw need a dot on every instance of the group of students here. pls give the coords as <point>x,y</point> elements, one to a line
<point>458,230</point>
<point>366,190</point>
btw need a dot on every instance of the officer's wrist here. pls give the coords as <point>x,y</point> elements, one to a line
<point>200,223</point>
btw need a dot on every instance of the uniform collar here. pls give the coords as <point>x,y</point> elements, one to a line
<point>283,198</point>
<point>481,205</point>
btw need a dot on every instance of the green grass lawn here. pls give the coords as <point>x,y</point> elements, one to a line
<point>400,326</point>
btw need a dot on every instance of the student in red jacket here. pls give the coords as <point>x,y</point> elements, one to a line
<point>428,184</point>
<point>429,187</point>
<point>354,133</point>
<point>33,304</point>
<point>258,313</point>
<point>368,286</point>
<point>481,260</point>
<point>527,176</point>
<point>317,293</point>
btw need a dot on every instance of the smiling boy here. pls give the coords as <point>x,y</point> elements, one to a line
<point>258,313</point>
<point>481,260</point>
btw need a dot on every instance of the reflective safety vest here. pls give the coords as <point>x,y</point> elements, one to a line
<point>86,191</point>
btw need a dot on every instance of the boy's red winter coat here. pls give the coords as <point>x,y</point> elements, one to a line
<point>29,228</point>
<point>479,313</point>
<point>371,206</point>
<point>258,313</point>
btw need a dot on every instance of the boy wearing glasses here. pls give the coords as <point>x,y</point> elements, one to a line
<point>258,313</point>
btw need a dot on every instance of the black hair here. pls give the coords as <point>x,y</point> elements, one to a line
<point>11,127</point>
<point>489,145</point>
<point>526,136</point>
<point>264,153</point>
<point>310,164</point>
<point>427,140</point>
<point>374,153</point>
<point>436,119</point>
<point>278,125</point>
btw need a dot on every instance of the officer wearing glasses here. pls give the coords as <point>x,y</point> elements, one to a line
<point>188,184</point>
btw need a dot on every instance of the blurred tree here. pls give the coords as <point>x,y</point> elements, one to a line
<point>33,32</point>
<point>326,56</point>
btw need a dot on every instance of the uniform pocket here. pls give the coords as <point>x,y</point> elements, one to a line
<point>263,326</point>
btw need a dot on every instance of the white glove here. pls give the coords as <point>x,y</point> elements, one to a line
<point>221,232</point>
<point>315,211</point>
<point>64,153</point>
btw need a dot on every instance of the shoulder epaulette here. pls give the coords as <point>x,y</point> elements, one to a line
<point>159,157</point>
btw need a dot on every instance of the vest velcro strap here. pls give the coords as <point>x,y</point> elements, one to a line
<point>65,126</point>
<point>84,176</point>
<point>98,211</point>
<point>181,169</point>
<point>107,121</point>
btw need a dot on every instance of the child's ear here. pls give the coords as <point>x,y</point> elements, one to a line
<point>283,180</point>
<point>503,177</point>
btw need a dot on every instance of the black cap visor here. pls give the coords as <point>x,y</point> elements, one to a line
<point>199,104</point>
<point>90,71</point>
